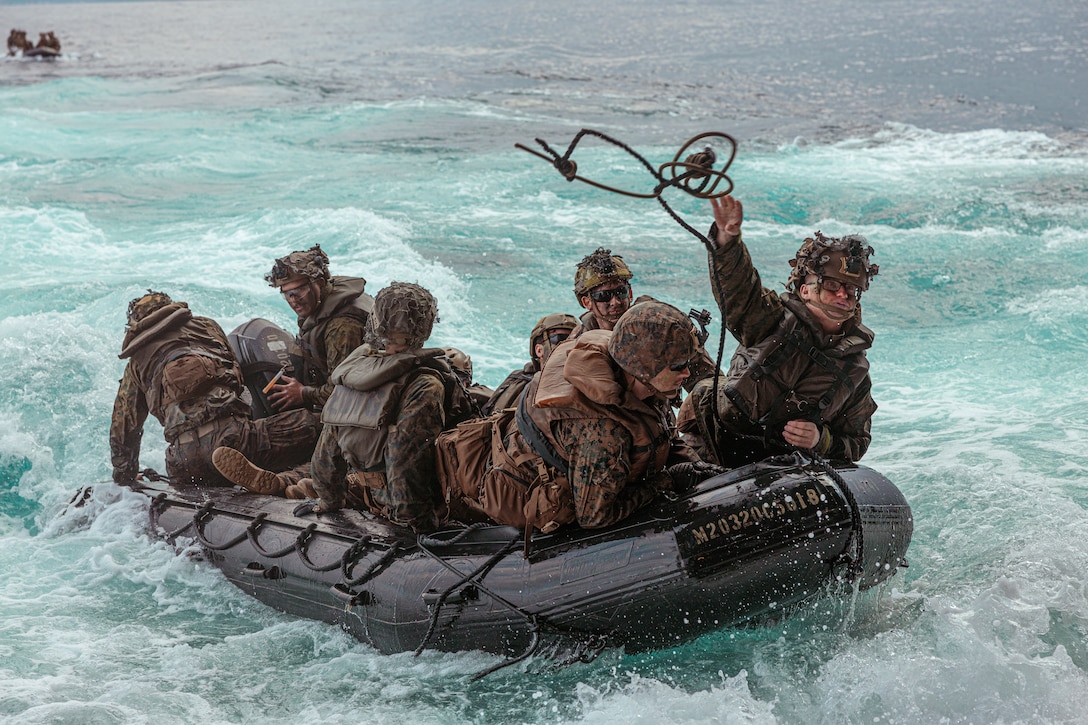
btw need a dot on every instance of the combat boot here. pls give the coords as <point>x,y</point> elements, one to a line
<point>238,469</point>
<point>301,490</point>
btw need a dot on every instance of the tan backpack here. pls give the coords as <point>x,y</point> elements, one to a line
<point>481,480</point>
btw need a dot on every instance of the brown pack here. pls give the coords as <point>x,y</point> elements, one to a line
<point>188,377</point>
<point>482,480</point>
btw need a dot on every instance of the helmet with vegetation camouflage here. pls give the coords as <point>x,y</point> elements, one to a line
<point>597,268</point>
<point>845,259</point>
<point>650,337</point>
<point>404,309</point>
<point>312,264</point>
<point>558,322</point>
<point>141,307</point>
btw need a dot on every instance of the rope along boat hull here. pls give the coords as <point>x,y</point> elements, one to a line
<point>739,546</point>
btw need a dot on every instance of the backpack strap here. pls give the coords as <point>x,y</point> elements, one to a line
<point>537,441</point>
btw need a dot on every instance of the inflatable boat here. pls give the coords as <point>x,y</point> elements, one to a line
<point>748,543</point>
<point>745,544</point>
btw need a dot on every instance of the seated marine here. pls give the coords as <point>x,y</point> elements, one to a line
<point>799,378</point>
<point>48,40</point>
<point>332,313</point>
<point>181,370</point>
<point>461,363</point>
<point>391,399</point>
<point>17,41</point>
<point>548,332</point>
<point>593,439</point>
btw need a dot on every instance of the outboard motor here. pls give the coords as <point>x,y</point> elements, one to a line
<point>264,350</point>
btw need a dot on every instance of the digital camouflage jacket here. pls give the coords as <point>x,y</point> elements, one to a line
<point>182,371</point>
<point>381,423</point>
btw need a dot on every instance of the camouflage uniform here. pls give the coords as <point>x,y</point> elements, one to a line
<point>548,332</point>
<point>377,449</point>
<point>329,335</point>
<point>510,389</point>
<point>183,372</point>
<point>334,329</point>
<point>785,368</point>
<point>462,367</point>
<point>398,480</point>
<point>605,448</point>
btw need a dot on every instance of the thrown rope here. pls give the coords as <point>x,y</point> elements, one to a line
<point>695,174</point>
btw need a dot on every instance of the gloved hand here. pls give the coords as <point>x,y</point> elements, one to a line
<point>685,475</point>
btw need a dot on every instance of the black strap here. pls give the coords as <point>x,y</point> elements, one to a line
<point>536,440</point>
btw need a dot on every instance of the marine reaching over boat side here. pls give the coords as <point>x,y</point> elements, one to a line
<point>182,370</point>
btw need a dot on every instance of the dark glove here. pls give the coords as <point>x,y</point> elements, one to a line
<point>685,475</point>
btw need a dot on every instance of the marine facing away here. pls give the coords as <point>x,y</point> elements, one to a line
<point>181,370</point>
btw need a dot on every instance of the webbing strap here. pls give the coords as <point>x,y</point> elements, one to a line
<point>536,440</point>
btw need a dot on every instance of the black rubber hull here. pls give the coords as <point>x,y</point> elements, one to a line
<point>742,545</point>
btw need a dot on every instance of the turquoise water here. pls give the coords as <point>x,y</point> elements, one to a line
<point>184,162</point>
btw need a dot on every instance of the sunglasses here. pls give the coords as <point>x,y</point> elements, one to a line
<point>677,367</point>
<point>605,295</point>
<point>557,337</point>
<point>830,284</point>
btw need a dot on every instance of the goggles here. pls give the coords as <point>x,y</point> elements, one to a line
<point>683,365</point>
<point>296,292</point>
<point>605,295</point>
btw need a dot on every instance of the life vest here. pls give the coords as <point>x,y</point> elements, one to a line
<point>586,383</point>
<point>796,373</point>
<point>344,297</point>
<point>367,396</point>
<point>185,368</point>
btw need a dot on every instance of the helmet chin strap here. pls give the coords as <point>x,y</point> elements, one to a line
<point>835,313</point>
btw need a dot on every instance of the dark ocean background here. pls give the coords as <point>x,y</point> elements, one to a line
<point>184,145</point>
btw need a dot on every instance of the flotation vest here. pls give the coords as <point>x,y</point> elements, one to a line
<point>344,297</point>
<point>584,382</point>
<point>367,396</point>
<point>185,368</point>
<point>795,373</point>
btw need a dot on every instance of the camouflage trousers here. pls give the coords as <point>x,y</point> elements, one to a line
<point>280,442</point>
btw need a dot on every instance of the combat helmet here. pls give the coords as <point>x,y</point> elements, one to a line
<point>845,259</point>
<point>651,336</point>
<point>597,268</point>
<point>312,264</point>
<point>547,323</point>
<point>405,308</point>
<point>141,307</point>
